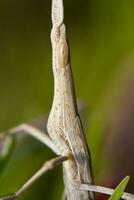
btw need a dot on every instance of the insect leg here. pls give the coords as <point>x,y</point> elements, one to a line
<point>34,132</point>
<point>49,165</point>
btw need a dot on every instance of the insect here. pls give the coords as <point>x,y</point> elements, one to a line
<point>66,137</point>
<point>64,125</point>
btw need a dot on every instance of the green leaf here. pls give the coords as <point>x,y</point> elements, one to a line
<point>120,189</point>
<point>6,147</point>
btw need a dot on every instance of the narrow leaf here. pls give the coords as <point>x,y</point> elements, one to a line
<point>6,146</point>
<point>120,189</point>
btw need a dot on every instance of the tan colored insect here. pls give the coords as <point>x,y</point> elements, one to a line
<point>64,125</point>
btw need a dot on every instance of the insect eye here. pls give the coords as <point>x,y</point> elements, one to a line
<point>63,54</point>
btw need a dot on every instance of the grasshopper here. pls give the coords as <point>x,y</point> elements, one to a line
<point>64,125</point>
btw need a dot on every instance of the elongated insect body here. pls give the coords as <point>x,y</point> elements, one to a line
<point>64,126</point>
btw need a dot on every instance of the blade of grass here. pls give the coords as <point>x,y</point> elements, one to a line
<point>6,147</point>
<point>120,189</point>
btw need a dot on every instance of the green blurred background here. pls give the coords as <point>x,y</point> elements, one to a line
<point>101,37</point>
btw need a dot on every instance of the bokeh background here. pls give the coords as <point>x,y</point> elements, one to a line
<point>101,37</point>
